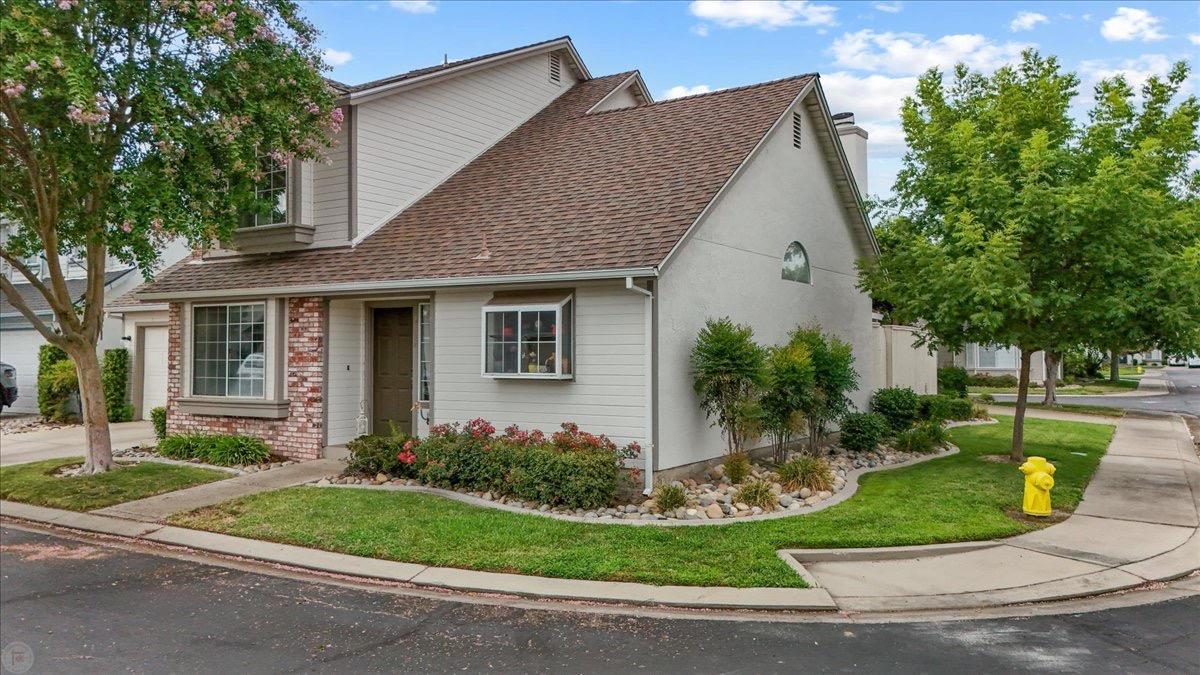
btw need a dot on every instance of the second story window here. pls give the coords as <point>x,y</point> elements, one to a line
<point>273,189</point>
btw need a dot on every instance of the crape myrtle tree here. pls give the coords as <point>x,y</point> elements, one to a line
<point>125,124</point>
<point>1017,225</point>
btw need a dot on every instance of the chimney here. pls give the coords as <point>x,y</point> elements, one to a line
<point>854,143</point>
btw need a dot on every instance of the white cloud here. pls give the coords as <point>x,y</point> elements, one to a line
<point>1132,24</point>
<point>700,29</point>
<point>911,53</point>
<point>1026,21</point>
<point>681,90</point>
<point>336,57</point>
<point>414,6</point>
<point>1136,72</point>
<point>765,14</point>
<point>1194,38</point>
<point>889,7</point>
<point>875,101</point>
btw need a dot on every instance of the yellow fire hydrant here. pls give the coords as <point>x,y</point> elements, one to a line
<point>1039,478</point>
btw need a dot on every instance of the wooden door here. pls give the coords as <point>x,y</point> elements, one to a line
<point>392,375</point>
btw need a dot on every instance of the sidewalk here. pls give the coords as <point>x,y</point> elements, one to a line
<point>1137,523</point>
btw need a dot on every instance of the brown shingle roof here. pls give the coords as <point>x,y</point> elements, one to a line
<point>566,191</point>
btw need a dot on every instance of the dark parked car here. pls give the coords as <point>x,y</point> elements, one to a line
<point>8,385</point>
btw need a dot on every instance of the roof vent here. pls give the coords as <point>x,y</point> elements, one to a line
<point>797,125</point>
<point>555,68</point>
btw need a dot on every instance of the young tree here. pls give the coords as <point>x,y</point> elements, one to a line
<point>1009,231</point>
<point>727,368</point>
<point>787,390</point>
<point>834,377</point>
<point>126,124</point>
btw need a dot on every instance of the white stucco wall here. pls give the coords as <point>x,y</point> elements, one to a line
<point>607,395</point>
<point>899,364</point>
<point>731,266</point>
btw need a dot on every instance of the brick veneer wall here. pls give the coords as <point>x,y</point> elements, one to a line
<point>301,434</point>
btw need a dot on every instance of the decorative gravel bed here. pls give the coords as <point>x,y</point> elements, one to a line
<point>139,453</point>
<point>27,423</point>
<point>710,499</point>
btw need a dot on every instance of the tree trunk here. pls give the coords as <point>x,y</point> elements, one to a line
<point>94,409</point>
<point>1051,363</point>
<point>1114,368</point>
<point>1018,437</point>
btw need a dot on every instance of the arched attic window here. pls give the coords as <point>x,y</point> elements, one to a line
<point>795,264</point>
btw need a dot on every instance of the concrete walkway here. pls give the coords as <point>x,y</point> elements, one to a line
<point>33,446</point>
<point>157,508</point>
<point>1138,522</point>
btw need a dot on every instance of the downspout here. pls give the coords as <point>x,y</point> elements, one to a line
<point>648,332</point>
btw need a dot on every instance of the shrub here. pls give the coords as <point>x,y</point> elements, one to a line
<point>923,438</point>
<point>834,377</point>
<point>158,417</point>
<point>737,467</point>
<point>727,367</point>
<point>373,455</point>
<point>985,398</point>
<point>942,408</point>
<point>670,496</point>
<point>758,493</point>
<point>48,405</point>
<point>864,431</point>
<point>183,446</point>
<point>805,472</point>
<point>998,381</point>
<point>228,450</point>
<point>900,405</point>
<point>59,382</point>
<point>980,412</point>
<point>952,381</point>
<point>114,373</point>
<point>787,388</point>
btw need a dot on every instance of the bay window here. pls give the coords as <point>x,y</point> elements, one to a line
<point>529,335</point>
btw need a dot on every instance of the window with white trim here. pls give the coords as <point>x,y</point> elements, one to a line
<point>272,188</point>
<point>529,340</point>
<point>795,264</point>
<point>424,350</point>
<point>996,356</point>
<point>229,350</point>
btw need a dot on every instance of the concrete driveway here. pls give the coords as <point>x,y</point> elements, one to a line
<point>32,446</point>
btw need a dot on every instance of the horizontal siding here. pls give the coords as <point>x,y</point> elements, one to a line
<point>413,140</point>
<point>330,194</point>
<point>345,369</point>
<point>607,395</point>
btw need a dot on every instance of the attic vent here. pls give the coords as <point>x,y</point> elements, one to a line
<point>796,125</point>
<point>555,68</point>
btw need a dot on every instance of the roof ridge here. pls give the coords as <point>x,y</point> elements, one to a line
<point>717,92</point>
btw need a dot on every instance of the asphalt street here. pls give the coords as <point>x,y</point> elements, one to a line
<point>81,606</point>
<point>1184,396</point>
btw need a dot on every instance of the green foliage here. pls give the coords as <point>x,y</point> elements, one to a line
<point>158,418</point>
<point>997,381</point>
<point>985,398</point>
<point>61,383</point>
<point>48,406</point>
<point>942,408</point>
<point>114,373</point>
<point>925,437</point>
<point>737,467</point>
<point>36,483</point>
<point>864,431</point>
<point>1083,363</point>
<point>786,392</point>
<point>670,496</point>
<point>372,455</point>
<point>727,367</point>
<point>834,377</point>
<point>219,449</point>
<point>899,405</point>
<point>952,381</point>
<point>805,472</point>
<point>758,493</point>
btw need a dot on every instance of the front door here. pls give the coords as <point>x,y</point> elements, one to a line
<point>391,402</point>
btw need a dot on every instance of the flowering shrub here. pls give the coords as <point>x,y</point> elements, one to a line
<point>572,467</point>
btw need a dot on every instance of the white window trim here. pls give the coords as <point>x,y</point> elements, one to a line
<point>271,347</point>
<point>558,339</point>
<point>289,202</point>
<point>1015,366</point>
<point>428,306</point>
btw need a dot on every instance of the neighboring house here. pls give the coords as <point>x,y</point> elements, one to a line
<point>509,237</point>
<point>996,360</point>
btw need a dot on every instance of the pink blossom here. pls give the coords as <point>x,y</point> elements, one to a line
<point>263,32</point>
<point>64,5</point>
<point>280,157</point>
<point>13,89</point>
<point>156,224</point>
<point>205,8</point>
<point>31,66</point>
<point>126,226</point>
<point>57,62</point>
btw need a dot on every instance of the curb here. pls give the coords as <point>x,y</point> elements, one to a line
<point>696,597</point>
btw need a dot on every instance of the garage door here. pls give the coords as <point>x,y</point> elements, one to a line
<point>154,369</point>
<point>19,349</point>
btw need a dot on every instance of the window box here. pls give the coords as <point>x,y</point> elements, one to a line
<point>281,237</point>
<point>529,336</point>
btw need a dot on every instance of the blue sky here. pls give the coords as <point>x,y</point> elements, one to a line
<point>868,53</point>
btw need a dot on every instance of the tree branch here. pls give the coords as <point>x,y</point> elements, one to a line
<point>10,292</point>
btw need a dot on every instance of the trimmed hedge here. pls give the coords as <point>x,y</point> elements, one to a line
<point>114,373</point>
<point>952,381</point>
<point>942,408</point>
<point>863,431</point>
<point>219,449</point>
<point>49,403</point>
<point>158,417</point>
<point>900,405</point>
<point>984,380</point>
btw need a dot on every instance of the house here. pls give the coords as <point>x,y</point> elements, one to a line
<point>511,237</point>
<point>995,361</point>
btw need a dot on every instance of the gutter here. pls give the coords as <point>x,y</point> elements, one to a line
<point>648,332</point>
<point>359,287</point>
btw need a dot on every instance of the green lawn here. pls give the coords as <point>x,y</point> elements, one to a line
<point>1088,388</point>
<point>956,498</point>
<point>1103,411</point>
<point>35,483</point>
